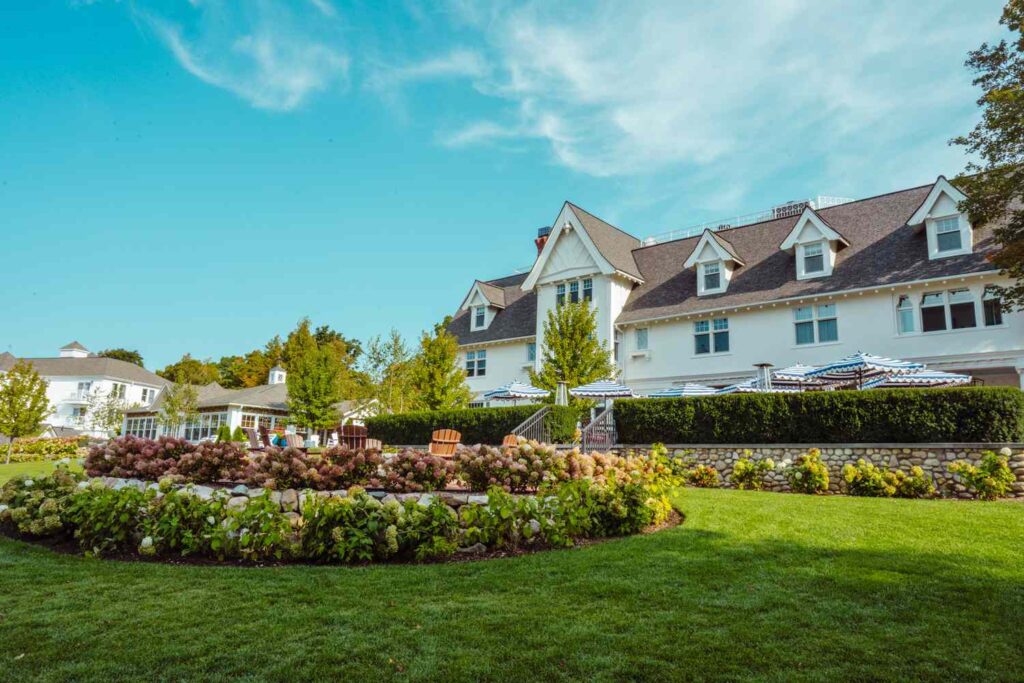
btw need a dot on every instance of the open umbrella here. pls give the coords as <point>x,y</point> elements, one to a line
<point>515,390</point>
<point>750,386</point>
<point>924,378</point>
<point>601,389</point>
<point>683,391</point>
<point>796,376</point>
<point>862,367</point>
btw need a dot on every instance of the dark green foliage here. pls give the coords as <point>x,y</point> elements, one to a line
<point>127,355</point>
<point>35,505</point>
<point>477,425</point>
<point>972,414</point>
<point>107,520</point>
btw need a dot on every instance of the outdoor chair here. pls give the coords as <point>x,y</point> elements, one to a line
<point>443,442</point>
<point>294,441</point>
<point>510,441</point>
<point>353,436</point>
<point>254,439</point>
<point>374,444</point>
<point>265,437</point>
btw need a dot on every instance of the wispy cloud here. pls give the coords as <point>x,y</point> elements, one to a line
<point>267,55</point>
<point>458,63</point>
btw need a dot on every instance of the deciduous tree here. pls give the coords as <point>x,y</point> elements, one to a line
<point>191,370</point>
<point>180,404</point>
<point>571,352</point>
<point>23,403</point>
<point>437,379</point>
<point>126,355</point>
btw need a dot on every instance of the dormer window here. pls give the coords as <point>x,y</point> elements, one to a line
<point>814,258</point>
<point>712,273</point>
<point>479,317</point>
<point>948,231</point>
<point>947,234</point>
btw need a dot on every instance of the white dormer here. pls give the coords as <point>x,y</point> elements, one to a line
<point>483,302</point>
<point>715,260</point>
<point>948,231</point>
<point>815,244</point>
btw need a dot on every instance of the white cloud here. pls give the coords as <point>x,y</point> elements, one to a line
<point>457,63</point>
<point>630,88</point>
<point>266,54</point>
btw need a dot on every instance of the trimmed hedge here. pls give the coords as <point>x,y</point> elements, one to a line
<point>969,414</point>
<point>477,425</point>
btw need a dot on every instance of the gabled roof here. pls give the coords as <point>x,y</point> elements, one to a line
<point>883,250</point>
<point>493,294</point>
<point>90,366</point>
<point>941,186</point>
<point>725,250</point>
<point>517,319</point>
<point>614,244</point>
<point>74,345</point>
<point>809,215</point>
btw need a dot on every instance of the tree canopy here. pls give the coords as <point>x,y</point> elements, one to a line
<point>126,355</point>
<point>995,184</point>
<point>437,380</point>
<point>23,403</point>
<point>191,370</point>
<point>571,352</point>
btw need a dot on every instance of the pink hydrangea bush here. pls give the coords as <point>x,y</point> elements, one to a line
<point>209,462</point>
<point>515,469</point>
<point>415,471</point>
<point>131,456</point>
<point>341,468</point>
<point>282,468</point>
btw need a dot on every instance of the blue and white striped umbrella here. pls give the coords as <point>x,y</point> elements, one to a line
<point>515,390</point>
<point>604,388</point>
<point>795,375</point>
<point>925,378</point>
<point>684,391</point>
<point>861,367</point>
<point>750,386</point>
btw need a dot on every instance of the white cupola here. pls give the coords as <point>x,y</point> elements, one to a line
<point>277,375</point>
<point>74,350</point>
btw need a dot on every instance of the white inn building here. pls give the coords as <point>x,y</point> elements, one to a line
<point>903,275</point>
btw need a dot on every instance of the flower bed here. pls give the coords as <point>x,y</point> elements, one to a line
<point>46,448</point>
<point>118,516</point>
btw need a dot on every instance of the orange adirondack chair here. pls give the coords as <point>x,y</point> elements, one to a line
<point>443,442</point>
<point>510,441</point>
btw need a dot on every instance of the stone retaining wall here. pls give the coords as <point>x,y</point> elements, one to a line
<point>934,459</point>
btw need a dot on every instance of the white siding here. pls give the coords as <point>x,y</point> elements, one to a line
<point>505,362</point>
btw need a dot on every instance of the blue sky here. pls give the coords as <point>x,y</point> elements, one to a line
<point>197,176</point>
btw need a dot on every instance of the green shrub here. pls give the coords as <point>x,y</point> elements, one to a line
<point>808,474</point>
<point>35,505</point>
<point>703,476</point>
<point>967,414</point>
<point>256,532</point>
<point>990,479</point>
<point>181,523</point>
<point>865,479</point>
<point>107,520</point>
<point>477,425</point>
<point>749,474</point>
<point>914,485</point>
<point>520,468</point>
<point>46,448</point>
<point>561,424</point>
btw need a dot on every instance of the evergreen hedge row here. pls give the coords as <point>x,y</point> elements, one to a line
<point>477,425</point>
<point>969,414</point>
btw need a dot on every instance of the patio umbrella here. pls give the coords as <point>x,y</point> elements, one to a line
<point>750,386</point>
<point>515,390</point>
<point>861,367</point>
<point>683,391</point>
<point>796,376</point>
<point>604,388</point>
<point>924,378</point>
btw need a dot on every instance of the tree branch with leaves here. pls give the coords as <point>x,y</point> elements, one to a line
<point>23,403</point>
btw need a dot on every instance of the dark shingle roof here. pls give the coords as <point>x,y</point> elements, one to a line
<point>517,319</point>
<point>74,345</point>
<point>614,244</point>
<point>883,250</point>
<point>91,366</point>
<point>493,293</point>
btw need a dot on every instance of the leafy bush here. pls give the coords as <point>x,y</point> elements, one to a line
<point>749,474</point>
<point>967,414</point>
<point>415,471</point>
<point>477,425</point>
<point>342,467</point>
<point>914,485</point>
<point>703,476</point>
<point>131,456</point>
<point>808,474</point>
<point>216,461</point>
<point>561,423</point>
<point>281,468</point>
<point>35,505</point>
<point>519,468</point>
<point>46,448</point>
<point>653,469</point>
<point>107,520</point>
<point>258,531</point>
<point>866,479</point>
<point>181,523</point>
<point>990,479</point>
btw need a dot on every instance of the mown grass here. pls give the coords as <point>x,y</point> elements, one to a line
<point>753,586</point>
<point>34,468</point>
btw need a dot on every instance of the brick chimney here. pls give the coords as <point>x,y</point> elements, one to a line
<point>542,238</point>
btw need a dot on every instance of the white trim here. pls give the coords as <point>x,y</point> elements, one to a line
<point>876,289</point>
<point>709,238</point>
<point>810,216</point>
<point>475,289</point>
<point>497,342</point>
<point>941,186</point>
<point>566,221</point>
<point>932,235</point>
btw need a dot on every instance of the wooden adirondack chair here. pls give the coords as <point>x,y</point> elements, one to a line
<point>510,441</point>
<point>254,439</point>
<point>353,436</point>
<point>374,444</point>
<point>443,442</point>
<point>294,441</point>
<point>265,437</point>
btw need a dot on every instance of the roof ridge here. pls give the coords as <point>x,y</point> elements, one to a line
<point>596,217</point>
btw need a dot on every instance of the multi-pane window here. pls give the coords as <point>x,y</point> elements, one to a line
<point>816,324</point>
<point>615,347</point>
<point>248,421</point>
<point>204,426</point>
<point>993,306</point>
<point>574,292</point>
<point>947,234</point>
<point>711,336</point>
<point>78,413</point>
<point>905,315</point>
<point>712,276</point>
<point>588,289</point>
<point>814,258</point>
<point>951,310</point>
<point>119,390</point>
<point>577,290</point>
<point>148,395</point>
<point>531,351</point>
<point>560,294</point>
<point>476,363</point>
<point>641,339</point>
<point>143,427</point>
<point>84,388</point>
<point>479,317</point>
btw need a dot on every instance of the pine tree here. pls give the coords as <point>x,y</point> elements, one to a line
<point>571,352</point>
<point>23,403</point>
<point>437,379</point>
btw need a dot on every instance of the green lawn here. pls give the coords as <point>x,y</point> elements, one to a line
<point>753,585</point>
<point>36,468</point>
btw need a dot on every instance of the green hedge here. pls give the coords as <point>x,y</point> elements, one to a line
<point>975,414</point>
<point>477,425</point>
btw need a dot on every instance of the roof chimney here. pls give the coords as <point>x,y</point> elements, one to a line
<point>542,238</point>
<point>277,375</point>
